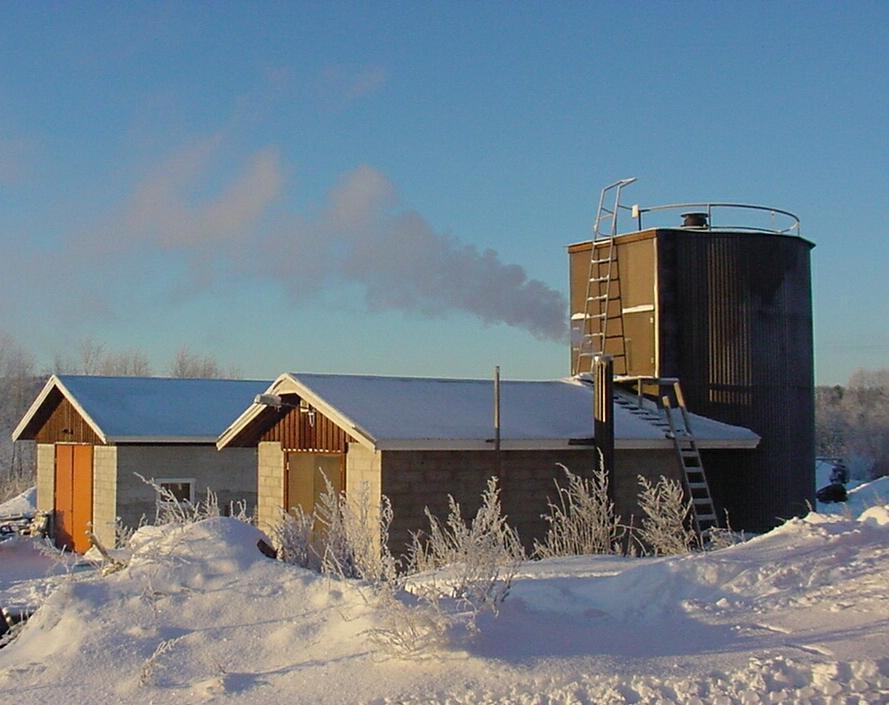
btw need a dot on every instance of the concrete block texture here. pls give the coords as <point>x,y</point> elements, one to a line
<point>46,460</point>
<point>364,478</point>
<point>230,473</point>
<point>415,480</point>
<point>270,479</point>
<point>104,493</point>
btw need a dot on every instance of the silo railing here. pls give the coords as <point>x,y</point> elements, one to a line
<point>702,216</point>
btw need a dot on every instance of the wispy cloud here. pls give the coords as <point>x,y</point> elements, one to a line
<point>163,210</point>
<point>363,235</point>
<point>15,162</point>
<point>359,233</point>
<point>345,84</point>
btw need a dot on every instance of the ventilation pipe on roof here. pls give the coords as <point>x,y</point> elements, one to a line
<point>498,467</point>
<point>603,414</point>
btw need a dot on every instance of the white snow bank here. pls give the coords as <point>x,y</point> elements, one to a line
<point>796,615</point>
<point>29,570</point>
<point>877,515</point>
<point>23,504</point>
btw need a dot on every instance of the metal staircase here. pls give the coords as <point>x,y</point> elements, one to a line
<point>602,304</point>
<point>697,489</point>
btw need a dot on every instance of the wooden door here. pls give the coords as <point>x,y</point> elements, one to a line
<point>304,478</point>
<point>63,500</point>
<point>73,501</point>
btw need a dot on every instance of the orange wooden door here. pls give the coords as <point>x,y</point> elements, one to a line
<point>63,500</point>
<point>73,502</point>
<point>82,503</point>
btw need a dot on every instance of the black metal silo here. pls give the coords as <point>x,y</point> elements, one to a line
<point>735,325</point>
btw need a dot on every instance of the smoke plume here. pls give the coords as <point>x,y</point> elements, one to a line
<point>363,236</point>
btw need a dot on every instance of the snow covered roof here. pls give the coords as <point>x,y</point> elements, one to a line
<point>391,413</point>
<point>145,409</point>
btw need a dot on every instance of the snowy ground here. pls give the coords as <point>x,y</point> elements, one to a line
<point>20,504</point>
<point>800,615</point>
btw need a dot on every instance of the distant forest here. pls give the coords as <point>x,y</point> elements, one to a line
<point>852,422</point>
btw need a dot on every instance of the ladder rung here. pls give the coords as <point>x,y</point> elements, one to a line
<point>697,485</point>
<point>702,501</point>
<point>706,517</point>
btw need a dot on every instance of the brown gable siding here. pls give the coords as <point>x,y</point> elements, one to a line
<point>63,424</point>
<point>295,431</point>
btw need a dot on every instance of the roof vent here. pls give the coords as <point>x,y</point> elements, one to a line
<point>694,220</point>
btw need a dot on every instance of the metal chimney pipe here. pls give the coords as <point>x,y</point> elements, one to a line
<point>603,413</point>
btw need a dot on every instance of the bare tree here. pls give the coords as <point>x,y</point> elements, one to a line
<point>853,422</point>
<point>94,359</point>
<point>18,385</point>
<point>189,364</point>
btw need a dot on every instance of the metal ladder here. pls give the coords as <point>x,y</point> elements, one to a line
<point>603,289</point>
<point>703,510</point>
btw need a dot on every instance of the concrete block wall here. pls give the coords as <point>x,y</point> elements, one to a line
<point>414,480</point>
<point>270,484</point>
<point>104,493</point>
<point>230,473</point>
<point>364,478</point>
<point>46,481</point>
<point>629,464</point>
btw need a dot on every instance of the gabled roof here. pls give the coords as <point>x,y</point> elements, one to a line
<point>145,409</point>
<point>389,413</point>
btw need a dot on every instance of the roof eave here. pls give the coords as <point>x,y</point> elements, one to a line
<point>160,440</point>
<point>406,444</point>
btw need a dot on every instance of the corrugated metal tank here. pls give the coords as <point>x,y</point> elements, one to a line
<point>732,319</point>
<point>735,325</point>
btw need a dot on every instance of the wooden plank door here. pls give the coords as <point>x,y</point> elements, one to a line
<point>73,497</point>
<point>63,498</point>
<point>82,504</point>
<point>304,478</point>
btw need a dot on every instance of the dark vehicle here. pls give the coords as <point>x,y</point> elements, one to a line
<point>834,492</point>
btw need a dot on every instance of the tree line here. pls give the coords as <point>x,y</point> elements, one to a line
<point>852,423</point>
<point>21,380</point>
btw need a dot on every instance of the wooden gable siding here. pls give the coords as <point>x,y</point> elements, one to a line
<point>295,432</point>
<point>64,425</point>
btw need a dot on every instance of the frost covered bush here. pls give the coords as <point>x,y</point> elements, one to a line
<point>343,537</point>
<point>292,538</point>
<point>473,563</point>
<point>352,543</point>
<point>583,522</point>
<point>455,573</point>
<point>664,528</point>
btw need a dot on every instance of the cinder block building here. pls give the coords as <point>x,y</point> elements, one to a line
<point>94,434</point>
<point>416,440</point>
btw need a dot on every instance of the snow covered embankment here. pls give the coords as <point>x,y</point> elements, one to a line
<point>795,616</point>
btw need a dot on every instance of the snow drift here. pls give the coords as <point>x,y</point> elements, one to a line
<point>797,615</point>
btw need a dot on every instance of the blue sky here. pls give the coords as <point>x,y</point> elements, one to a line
<point>337,187</point>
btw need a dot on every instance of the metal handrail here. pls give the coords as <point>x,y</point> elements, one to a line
<point>794,228</point>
